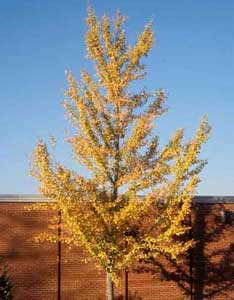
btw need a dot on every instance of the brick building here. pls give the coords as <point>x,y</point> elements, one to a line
<point>51,272</point>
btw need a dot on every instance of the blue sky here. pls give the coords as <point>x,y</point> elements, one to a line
<point>193,60</point>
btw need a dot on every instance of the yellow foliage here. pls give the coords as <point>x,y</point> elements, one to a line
<point>116,141</point>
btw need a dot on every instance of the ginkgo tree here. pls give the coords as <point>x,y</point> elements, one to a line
<point>135,201</point>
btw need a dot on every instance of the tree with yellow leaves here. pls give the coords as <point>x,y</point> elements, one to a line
<point>135,203</point>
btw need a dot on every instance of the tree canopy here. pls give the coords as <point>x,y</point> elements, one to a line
<point>135,203</point>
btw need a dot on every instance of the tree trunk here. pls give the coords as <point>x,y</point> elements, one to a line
<point>126,286</point>
<point>109,287</point>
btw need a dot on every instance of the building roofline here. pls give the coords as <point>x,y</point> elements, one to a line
<point>36,198</point>
<point>24,198</point>
<point>214,199</point>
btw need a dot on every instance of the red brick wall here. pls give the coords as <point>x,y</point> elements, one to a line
<point>34,267</point>
<point>213,256</point>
